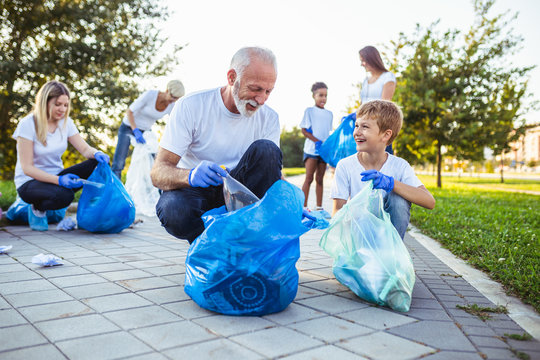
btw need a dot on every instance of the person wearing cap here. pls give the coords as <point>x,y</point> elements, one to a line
<point>148,108</point>
<point>229,125</point>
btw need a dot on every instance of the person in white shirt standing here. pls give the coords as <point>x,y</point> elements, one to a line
<point>230,126</point>
<point>381,85</point>
<point>316,127</point>
<point>42,138</point>
<point>148,108</point>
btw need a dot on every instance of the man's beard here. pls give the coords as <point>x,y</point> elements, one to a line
<point>241,104</point>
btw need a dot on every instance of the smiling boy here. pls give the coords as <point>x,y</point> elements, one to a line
<point>377,125</point>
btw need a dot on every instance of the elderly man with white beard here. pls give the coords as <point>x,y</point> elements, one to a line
<point>230,126</point>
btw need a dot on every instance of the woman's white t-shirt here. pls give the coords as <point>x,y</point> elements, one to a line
<point>202,128</point>
<point>348,181</point>
<point>47,158</point>
<point>320,122</point>
<point>374,91</point>
<point>144,110</point>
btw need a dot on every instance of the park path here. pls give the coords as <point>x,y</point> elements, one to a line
<point>121,296</point>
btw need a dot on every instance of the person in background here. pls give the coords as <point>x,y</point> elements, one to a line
<point>148,108</point>
<point>380,84</point>
<point>377,124</point>
<point>42,137</point>
<point>316,127</point>
<point>229,125</point>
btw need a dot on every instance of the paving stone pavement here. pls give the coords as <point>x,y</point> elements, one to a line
<point>121,296</point>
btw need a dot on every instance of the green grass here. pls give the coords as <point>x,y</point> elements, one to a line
<point>484,183</point>
<point>495,231</point>
<point>519,337</point>
<point>483,312</point>
<point>7,188</point>
<point>293,171</point>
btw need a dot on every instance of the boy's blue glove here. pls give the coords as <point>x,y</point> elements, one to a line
<point>380,181</point>
<point>138,136</point>
<point>101,157</point>
<point>318,145</point>
<point>309,130</point>
<point>305,214</point>
<point>206,174</point>
<point>70,181</point>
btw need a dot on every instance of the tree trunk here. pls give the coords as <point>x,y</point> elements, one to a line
<point>439,165</point>
<point>502,167</point>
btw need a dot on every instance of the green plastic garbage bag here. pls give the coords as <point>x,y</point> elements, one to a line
<point>369,255</point>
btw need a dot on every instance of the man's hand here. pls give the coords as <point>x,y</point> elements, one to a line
<point>206,174</point>
<point>70,181</point>
<point>305,214</point>
<point>139,136</point>
<point>380,181</point>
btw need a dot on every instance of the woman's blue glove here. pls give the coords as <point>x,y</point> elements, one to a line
<point>101,157</point>
<point>138,136</point>
<point>380,181</point>
<point>206,174</point>
<point>70,181</point>
<point>318,145</point>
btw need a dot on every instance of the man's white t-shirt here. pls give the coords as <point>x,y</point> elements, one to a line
<point>144,110</point>
<point>348,181</point>
<point>374,91</point>
<point>320,122</point>
<point>202,128</point>
<point>47,158</point>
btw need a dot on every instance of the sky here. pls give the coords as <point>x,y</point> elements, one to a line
<point>317,40</point>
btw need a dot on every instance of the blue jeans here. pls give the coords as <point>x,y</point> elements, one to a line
<point>399,210</point>
<point>122,149</point>
<point>180,210</point>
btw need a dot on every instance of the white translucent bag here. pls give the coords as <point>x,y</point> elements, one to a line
<point>138,182</point>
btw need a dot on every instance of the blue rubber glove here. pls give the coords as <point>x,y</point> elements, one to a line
<point>318,145</point>
<point>380,181</point>
<point>206,174</point>
<point>70,181</point>
<point>138,136</point>
<point>101,157</point>
<point>309,130</point>
<point>305,214</point>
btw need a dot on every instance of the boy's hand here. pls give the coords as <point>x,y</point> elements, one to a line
<point>380,181</point>
<point>318,145</point>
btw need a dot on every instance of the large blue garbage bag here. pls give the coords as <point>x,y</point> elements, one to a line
<point>341,143</point>
<point>244,263</point>
<point>107,209</point>
<point>18,213</point>
<point>369,255</point>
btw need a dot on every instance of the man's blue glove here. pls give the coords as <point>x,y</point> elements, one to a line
<point>138,136</point>
<point>318,145</point>
<point>206,174</point>
<point>70,181</point>
<point>305,214</point>
<point>101,157</point>
<point>380,181</point>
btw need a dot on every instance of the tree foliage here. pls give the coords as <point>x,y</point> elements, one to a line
<point>458,91</point>
<point>98,48</point>
<point>292,146</point>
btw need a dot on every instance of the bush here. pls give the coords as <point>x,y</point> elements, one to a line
<point>292,146</point>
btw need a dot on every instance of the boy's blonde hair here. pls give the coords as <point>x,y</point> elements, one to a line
<point>51,89</point>
<point>387,114</point>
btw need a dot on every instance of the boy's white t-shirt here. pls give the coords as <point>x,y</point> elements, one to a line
<point>144,110</point>
<point>320,121</point>
<point>202,128</point>
<point>374,91</point>
<point>47,158</point>
<point>348,181</point>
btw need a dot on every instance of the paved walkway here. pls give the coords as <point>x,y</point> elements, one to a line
<point>121,296</point>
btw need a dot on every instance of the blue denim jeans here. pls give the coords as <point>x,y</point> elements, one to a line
<point>399,210</point>
<point>122,149</point>
<point>180,210</point>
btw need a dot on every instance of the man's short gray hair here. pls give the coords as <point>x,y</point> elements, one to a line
<point>242,58</point>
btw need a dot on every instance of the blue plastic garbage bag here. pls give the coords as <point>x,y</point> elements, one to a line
<point>369,255</point>
<point>244,263</point>
<point>106,209</point>
<point>341,143</point>
<point>18,213</point>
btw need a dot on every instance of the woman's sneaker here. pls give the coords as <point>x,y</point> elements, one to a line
<point>37,219</point>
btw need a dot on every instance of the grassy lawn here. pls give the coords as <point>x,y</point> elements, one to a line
<point>485,183</point>
<point>293,171</point>
<point>495,231</point>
